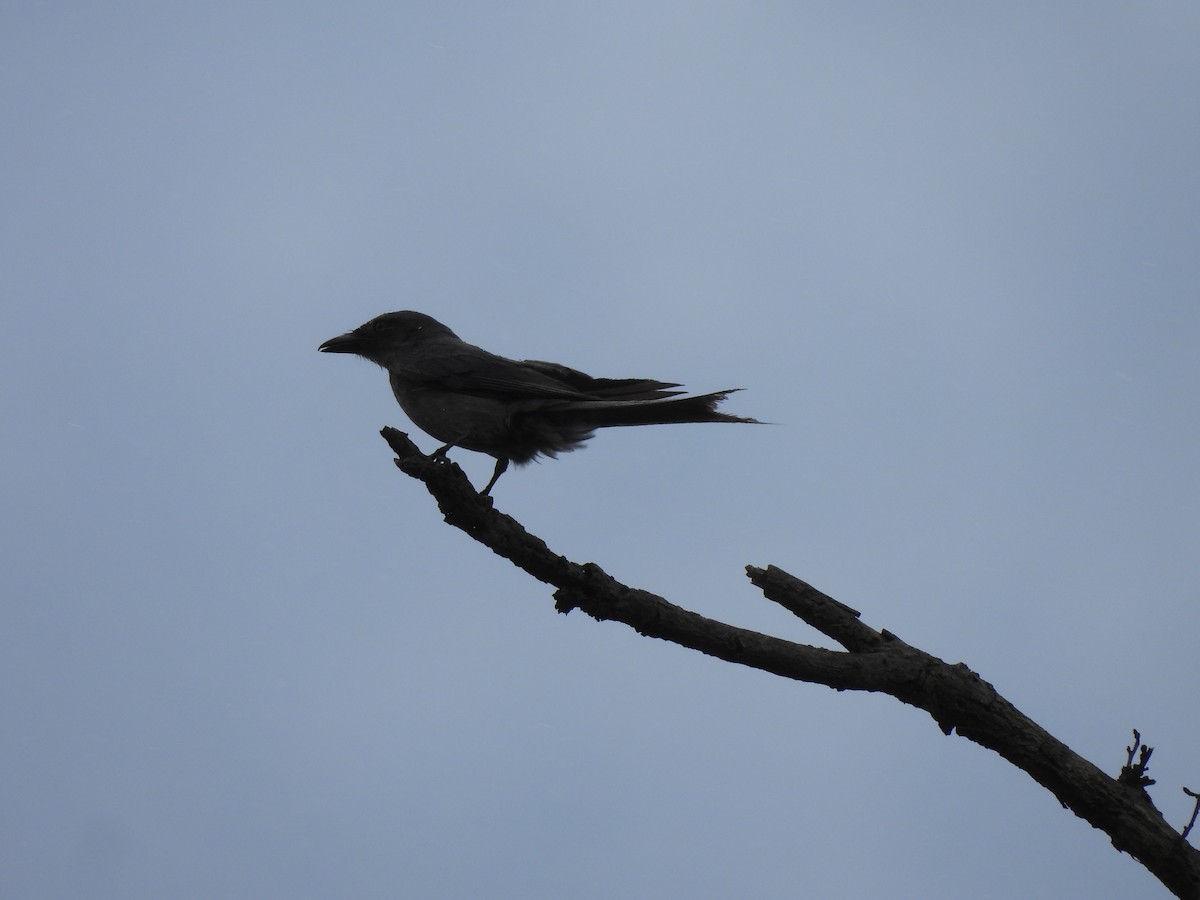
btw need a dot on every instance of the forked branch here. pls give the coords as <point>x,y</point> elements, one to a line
<point>873,660</point>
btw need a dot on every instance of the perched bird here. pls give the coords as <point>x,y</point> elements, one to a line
<point>512,410</point>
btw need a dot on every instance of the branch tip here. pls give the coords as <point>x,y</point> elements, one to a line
<point>1187,829</point>
<point>1134,773</point>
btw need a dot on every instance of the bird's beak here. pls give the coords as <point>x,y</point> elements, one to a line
<point>344,343</point>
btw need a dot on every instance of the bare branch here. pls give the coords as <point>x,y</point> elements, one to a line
<point>873,660</point>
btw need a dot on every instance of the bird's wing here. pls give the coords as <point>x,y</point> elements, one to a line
<point>605,388</point>
<point>475,371</point>
<point>513,379</point>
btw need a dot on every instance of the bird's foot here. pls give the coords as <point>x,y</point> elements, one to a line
<point>501,465</point>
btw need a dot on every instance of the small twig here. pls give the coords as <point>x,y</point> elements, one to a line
<point>1188,829</point>
<point>1134,773</point>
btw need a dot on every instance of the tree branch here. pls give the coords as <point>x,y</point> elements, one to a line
<point>957,698</point>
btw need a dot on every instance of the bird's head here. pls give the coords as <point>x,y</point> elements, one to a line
<point>386,334</point>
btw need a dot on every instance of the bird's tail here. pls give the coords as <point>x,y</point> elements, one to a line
<point>675,410</point>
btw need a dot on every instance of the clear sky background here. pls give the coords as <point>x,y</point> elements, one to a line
<point>951,249</point>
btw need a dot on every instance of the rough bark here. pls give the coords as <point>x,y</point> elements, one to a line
<point>956,697</point>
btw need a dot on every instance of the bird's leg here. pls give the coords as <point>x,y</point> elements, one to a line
<point>501,465</point>
<point>440,452</point>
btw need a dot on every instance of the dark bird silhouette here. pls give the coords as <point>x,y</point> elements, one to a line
<point>515,411</point>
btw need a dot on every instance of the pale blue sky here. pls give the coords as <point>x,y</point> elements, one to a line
<point>951,249</point>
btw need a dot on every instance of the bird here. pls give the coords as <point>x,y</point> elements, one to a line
<point>513,410</point>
